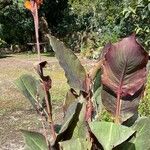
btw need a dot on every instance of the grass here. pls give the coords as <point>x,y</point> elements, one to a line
<point>17,65</point>
<point>15,110</point>
<point>144,108</point>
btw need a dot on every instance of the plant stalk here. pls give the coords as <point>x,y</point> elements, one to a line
<point>49,111</point>
<point>36,25</point>
<point>42,121</point>
<point>119,92</point>
<point>89,109</point>
<point>118,108</point>
<point>45,132</point>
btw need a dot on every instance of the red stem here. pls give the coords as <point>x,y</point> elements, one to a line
<point>49,111</point>
<point>118,108</point>
<point>89,108</point>
<point>36,25</point>
<point>119,92</point>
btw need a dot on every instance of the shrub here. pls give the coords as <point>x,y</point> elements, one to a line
<point>144,108</point>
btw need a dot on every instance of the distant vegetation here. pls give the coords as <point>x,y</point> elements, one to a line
<point>83,24</point>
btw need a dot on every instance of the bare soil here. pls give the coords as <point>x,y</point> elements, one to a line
<point>15,111</point>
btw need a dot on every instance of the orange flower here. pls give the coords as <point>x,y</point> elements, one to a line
<point>29,6</point>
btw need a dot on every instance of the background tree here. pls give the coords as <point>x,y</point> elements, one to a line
<point>135,18</point>
<point>15,24</point>
<point>78,22</point>
<point>4,3</point>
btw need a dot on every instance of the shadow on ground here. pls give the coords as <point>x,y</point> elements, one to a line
<point>4,56</point>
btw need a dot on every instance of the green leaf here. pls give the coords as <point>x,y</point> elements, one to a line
<point>74,71</point>
<point>97,88</point>
<point>97,100</point>
<point>97,80</point>
<point>69,115</point>
<point>81,130</point>
<point>141,140</point>
<point>71,97</point>
<point>70,122</point>
<point>74,125</point>
<point>30,87</point>
<point>76,144</point>
<point>34,140</point>
<point>109,134</point>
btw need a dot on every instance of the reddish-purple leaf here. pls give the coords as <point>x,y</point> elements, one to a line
<point>74,71</point>
<point>124,76</point>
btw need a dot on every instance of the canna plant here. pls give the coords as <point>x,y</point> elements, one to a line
<point>116,82</point>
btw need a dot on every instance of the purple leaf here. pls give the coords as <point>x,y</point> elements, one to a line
<point>74,71</point>
<point>124,76</point>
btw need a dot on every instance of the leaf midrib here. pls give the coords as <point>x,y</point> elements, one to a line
<point>109,139</point>
<point>36,143</point>
<point>28,90</point>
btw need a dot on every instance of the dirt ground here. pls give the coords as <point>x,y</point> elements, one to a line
<point>15,111</point>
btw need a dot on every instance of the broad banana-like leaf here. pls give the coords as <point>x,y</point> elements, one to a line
<point>76,144</point>
<point>97,80</point>
<point>109,134</point>
<point>97,101</point>
<point>34,140</point>
<point>141,140</point>
<point>71,96</point>
<point>74,71</point>
<point>71,112</point>
<point>97,88</point>
<point>74,125</point>
<point>81,130</point>
<point>69,122</point>
<point>124,77</point>
<point>31,88</point>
